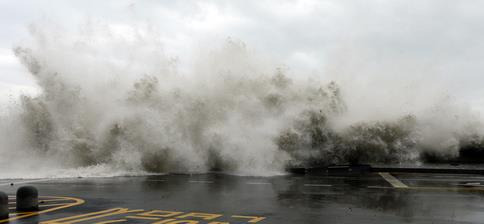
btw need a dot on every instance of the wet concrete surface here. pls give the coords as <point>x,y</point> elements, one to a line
<point>221,199</point>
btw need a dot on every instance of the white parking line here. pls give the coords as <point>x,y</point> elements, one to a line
<point>318,185</point>
<point>393,181</point>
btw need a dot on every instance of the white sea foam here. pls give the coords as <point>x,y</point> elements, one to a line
<point>111,105</point>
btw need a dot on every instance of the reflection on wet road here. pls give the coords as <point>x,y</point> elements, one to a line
<point>219,198</point>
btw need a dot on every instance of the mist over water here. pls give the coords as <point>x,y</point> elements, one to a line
<point>115,104</point>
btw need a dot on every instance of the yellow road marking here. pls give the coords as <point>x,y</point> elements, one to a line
<point>108,216</point>
<point>46,205</point>
<point>49,200</point>
<point>141,217</point>
<point>205,216</point>
<point>252,219</point>
<point>164,221</point>
<point>393,181</point>
<point>41,200</point>
<point>160,213</point>
<point>92,215</point>
<point>112,221</point>
<point>109,211</point>
<point>76,201</point>
<point>50,205</point>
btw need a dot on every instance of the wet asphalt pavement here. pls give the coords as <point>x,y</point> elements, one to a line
<point>222,199</point>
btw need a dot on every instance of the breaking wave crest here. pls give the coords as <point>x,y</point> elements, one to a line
<point>111,105</point>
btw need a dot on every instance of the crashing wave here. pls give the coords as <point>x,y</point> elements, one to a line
<point>131,109</point>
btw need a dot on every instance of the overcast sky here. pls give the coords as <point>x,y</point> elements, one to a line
<point>441,41</point>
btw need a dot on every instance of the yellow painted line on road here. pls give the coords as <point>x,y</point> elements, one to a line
<point>92,215</point>
<point>142,217</point>
<point>46,205</point>
<point>152,216</point>
<point>112,221</point>
<point>75,201</point>
<point>251,219</point>
<point>393,181</point>
<point>49,200</point>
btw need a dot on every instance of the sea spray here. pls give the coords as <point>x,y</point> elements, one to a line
<point>111,105</point>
